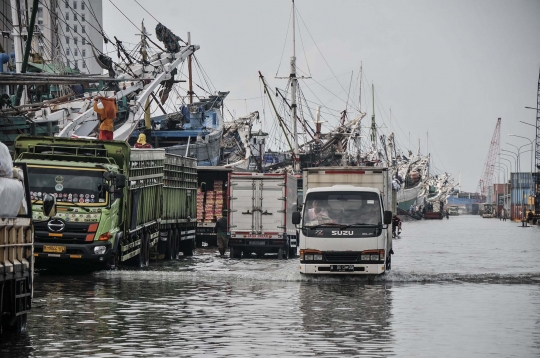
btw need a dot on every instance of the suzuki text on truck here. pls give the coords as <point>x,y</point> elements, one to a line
<point>344,223</point>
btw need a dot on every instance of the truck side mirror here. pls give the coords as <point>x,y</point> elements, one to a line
<point>387,217</point>
<point>120,181</point>
<point>49,205</point>
<point>296,217</point>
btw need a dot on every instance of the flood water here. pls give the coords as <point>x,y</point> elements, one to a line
<point>463,287</point>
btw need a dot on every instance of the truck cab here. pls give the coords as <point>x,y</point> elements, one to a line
<point>344,230</point>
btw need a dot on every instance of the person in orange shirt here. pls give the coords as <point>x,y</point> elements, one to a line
<point>107,114</point>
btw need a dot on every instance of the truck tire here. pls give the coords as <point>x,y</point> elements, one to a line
<point>389,263</point>
<point>283,253</point>
<point>260,254</point>
<point>188,248</point>
<point>234,254</point>
<point>144,254</point>
<point>246,254</point>
<point>169,246</point>
<point>176,242</point>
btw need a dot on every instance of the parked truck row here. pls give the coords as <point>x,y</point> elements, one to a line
<point>115,204</point>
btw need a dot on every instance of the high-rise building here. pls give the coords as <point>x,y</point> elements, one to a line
<point>64,34</point>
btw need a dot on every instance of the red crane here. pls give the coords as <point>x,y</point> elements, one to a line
<point>487,178</point>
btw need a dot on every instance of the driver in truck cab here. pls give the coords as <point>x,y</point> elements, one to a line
<point>317,211</point>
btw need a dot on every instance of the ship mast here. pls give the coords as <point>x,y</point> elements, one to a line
<point>294,84</point>
<point>190,72</point>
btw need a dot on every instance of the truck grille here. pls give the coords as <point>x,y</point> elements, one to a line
<point>345,257</point>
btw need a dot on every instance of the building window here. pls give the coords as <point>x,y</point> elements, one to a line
<point>67,7</point>
<point>67,28</point>
<point>84,40</point>
<point>76,62</point>
<point>74,17</point>
<point>75,5</point>
<point>83,30</point>
<point>83,52</point>
<point>84,62</point>
<point>67,16</point>
<point>67,52</point>
<point>83,17</point>
<point>40,22</point>
<point>40,11</point>
<point>76,53</point>
<point>83,6</point>
<point>67,40</point>
<point>75,40</point>
<point>75,28</point>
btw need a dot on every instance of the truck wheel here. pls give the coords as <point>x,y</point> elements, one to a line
<point>141,251</point>
<point>260,254</point>
<point>247,254</point>
<point>188,248</point>
<point>176,242</point>
<point>389,263</point>
<point>147,251</point>
<point>169,246</point>
<point>20,323</point>
<point>283,253</point>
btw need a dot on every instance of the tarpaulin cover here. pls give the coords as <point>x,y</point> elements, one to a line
<point>169,39</point>
<point>11,197</point>
<point>6,164</point>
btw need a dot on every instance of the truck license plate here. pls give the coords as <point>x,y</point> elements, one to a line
<point>55,249</point>
<point>261,242</point>
<point>342,268</point>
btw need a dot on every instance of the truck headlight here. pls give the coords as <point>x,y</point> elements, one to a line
<point>317,257</point>
<point>374,257</point>
<point>100,250</point>
<point>366,257</point>
<point>308,257</point>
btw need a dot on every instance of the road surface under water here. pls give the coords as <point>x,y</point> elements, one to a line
<point>463,287</point>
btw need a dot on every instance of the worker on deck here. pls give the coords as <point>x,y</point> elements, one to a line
<point>141,142</point>
<point>222,238</point>
<point>107,113</point>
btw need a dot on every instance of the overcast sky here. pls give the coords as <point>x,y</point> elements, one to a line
<point>450,68</point>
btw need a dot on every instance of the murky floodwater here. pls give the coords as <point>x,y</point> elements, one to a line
<point>464,287</point>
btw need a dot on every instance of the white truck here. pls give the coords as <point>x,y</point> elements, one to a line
<point>260,214</point>
<point>345,222</point>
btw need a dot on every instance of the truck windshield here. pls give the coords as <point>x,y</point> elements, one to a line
<point>68,185</point>
<point>342,208</point>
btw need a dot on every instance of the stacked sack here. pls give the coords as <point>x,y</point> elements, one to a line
<point>218,206</point>
<point>11,187</point>
<point>200,204</point>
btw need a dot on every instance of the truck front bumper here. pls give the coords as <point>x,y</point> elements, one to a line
<point>84,252</point>
<point>332,269</point>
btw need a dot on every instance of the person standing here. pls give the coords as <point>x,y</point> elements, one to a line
<point>107,113</point>
<point>222,238</point>
<point>141,142</point>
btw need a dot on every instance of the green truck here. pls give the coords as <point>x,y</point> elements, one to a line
<point>115,204</point>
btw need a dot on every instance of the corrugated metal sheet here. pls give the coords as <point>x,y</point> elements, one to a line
<point>521,180</point>
<point>519,196</point>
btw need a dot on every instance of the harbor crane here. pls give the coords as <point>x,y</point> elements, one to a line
<point>487,178</point>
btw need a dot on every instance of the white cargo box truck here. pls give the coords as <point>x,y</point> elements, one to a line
<point>344,223</point>
<point>260,214</point>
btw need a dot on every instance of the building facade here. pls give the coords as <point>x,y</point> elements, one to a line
<point>64,34</point>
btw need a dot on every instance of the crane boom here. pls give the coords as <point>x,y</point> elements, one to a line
<point>487,178</point>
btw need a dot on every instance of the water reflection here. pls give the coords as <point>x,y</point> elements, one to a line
<point>346,319</point>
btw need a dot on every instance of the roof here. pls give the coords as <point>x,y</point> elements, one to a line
<point>50,68</point>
